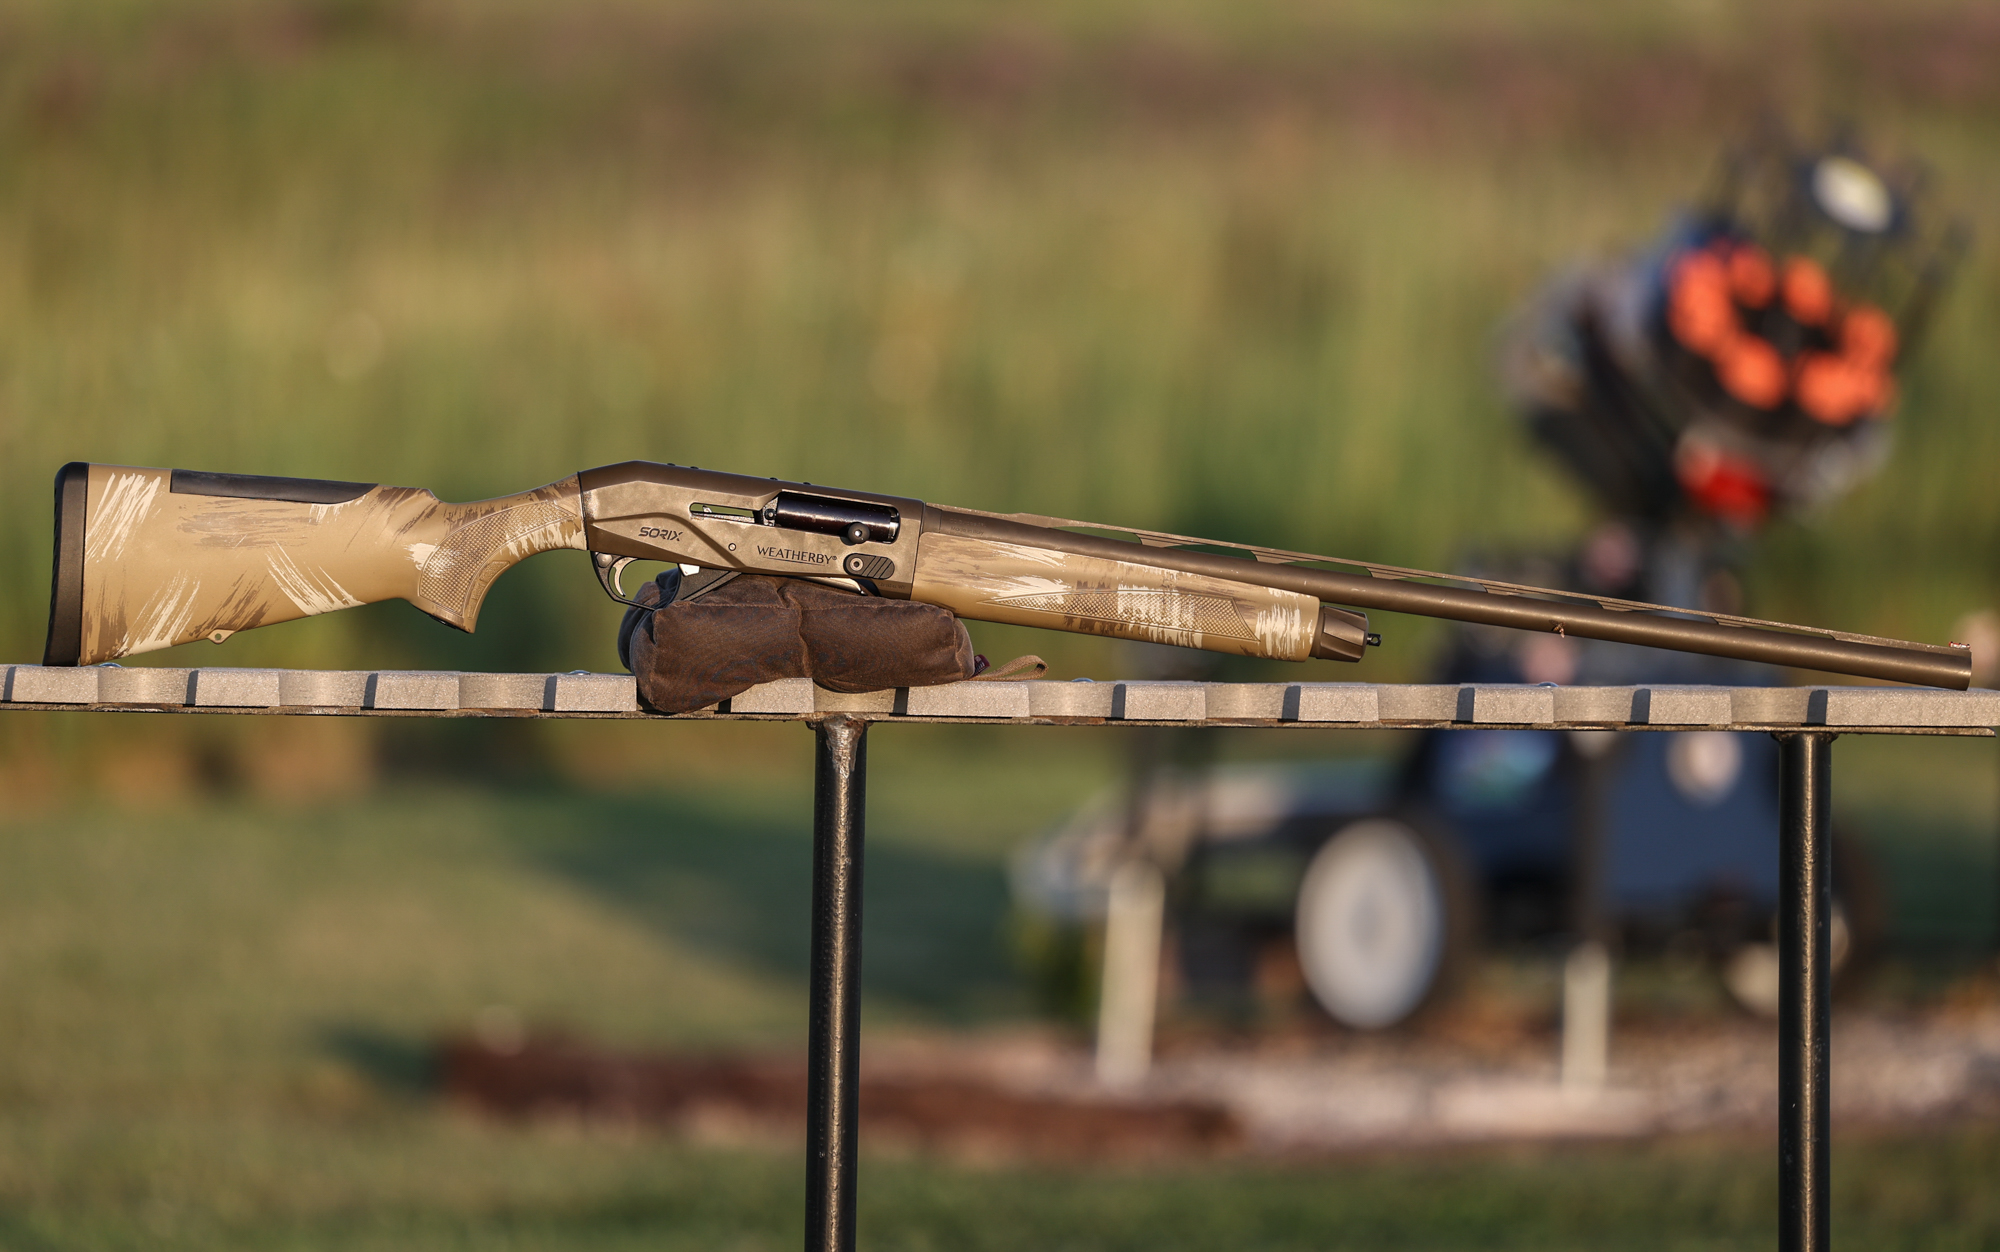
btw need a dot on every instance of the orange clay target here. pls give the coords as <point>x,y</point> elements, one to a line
<point>1699,310</point>
<point>1808,292</point>
<point>1840,375</point>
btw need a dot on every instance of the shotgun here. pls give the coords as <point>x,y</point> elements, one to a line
<point>150,558</point>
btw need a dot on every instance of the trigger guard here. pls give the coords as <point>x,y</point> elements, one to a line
<point>610,570</point>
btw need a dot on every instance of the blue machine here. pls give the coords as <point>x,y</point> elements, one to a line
<point>1690,819</point>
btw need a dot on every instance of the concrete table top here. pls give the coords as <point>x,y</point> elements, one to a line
<point>427,693</point>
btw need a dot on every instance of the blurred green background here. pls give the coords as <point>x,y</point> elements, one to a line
<point>1233,269</point>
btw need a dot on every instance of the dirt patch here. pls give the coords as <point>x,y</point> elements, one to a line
<point>1666,1077</point>
<point>965,1111</point>
<point>1034,1095</point>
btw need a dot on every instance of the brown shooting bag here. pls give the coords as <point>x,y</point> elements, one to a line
<point>755,629</point>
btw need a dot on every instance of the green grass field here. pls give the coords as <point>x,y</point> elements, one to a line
<point>1231,269</point>
<point>216,1015</point>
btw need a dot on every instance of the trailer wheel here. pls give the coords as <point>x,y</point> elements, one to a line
<point>1381,915</point>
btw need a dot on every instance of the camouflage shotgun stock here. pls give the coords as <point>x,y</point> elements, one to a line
<point>147,559</point>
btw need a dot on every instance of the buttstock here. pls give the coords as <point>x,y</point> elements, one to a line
<point>148,558</point>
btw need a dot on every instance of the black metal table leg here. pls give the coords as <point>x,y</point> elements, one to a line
<point>1805,987</point>
<point>834,1047</point>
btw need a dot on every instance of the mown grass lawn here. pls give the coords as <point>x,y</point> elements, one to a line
<point>423,1182</point>
<point>214,1016</point>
